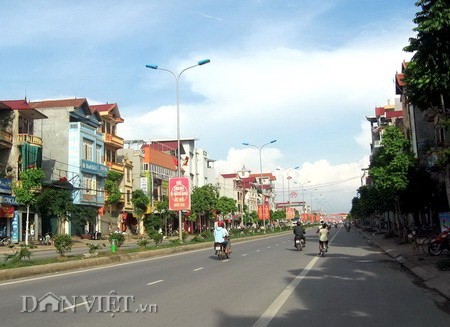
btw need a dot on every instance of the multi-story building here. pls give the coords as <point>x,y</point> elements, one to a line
<point>249,191</point>
<point>114,213</point>
<point>20,149</point>
<point>74,150</point>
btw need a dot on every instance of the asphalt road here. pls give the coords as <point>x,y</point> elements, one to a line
<point>265,283</point>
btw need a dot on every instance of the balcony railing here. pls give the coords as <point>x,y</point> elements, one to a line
<point>28,138</point>
<point>115,166</point>
<point>113,140</point>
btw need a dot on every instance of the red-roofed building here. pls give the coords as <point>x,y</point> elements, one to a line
<point>20,149</point>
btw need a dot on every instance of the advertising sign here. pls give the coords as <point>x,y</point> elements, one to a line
<point>179,194</point>
<point>15,228</point>
<point>290,213</point>
<point>444,219</point>
<point>263,212</point>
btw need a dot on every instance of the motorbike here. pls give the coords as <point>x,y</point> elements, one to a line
<point>221,251</point>
<point>299,243</point>
<point>439,243</point>
<point>5,241</point>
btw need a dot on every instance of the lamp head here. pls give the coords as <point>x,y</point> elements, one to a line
<point>247,144</point>
<point>152,66</point>
<point>204,61</point>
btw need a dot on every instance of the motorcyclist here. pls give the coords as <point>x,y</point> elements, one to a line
<point>299,232</point>
<point>323,237</point>
<point>221,236</point>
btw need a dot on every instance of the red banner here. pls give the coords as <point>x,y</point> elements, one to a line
<point>263,212</point>
<point>179,194</point>
<point>290,213</point>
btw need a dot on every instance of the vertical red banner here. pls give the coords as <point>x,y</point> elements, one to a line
<point>179,194</point>
<point>263,212</point>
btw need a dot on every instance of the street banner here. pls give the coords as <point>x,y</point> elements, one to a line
<point>444,220</point>
<point>263,212</point>
<point>290,213</point>
<point>179,194</point>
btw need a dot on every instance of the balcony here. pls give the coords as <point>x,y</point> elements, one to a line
<point>115,166</point>
<point>30,139</point>
<point>113,140</point>
<point>5,139</point>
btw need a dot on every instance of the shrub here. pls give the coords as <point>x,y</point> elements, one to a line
<point>155,236</point>
<point>119,237</point>
<point>95,247</point>
<point>63,244</point>
<point>207,234</point>
<point>18,255</point>
<point>142,242</point>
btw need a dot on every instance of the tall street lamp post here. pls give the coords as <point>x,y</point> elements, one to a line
<point>177,80</point>
<point>261,172</point>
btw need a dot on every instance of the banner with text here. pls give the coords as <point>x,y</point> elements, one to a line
<point>179,194</point>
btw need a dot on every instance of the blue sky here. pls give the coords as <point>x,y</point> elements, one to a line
<point>305,73</point>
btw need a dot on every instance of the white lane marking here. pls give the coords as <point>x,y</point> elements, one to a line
<point>258,250</point>
<point>244,254</point>
<point>76,305</point>
<point>268,247</point>
<point>197,269</point>
<point>272,310</point>
<point>155,282</point>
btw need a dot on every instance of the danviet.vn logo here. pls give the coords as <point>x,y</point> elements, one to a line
<point>112,302</point>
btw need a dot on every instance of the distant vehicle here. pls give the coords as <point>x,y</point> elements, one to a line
<point>294,221</point>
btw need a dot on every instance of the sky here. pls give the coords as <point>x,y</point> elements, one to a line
<point>304,73</point>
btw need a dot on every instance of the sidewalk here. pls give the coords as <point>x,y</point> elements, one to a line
<point>418,263</point>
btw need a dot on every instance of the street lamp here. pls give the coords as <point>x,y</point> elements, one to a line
<point>261,171</point>
<point>288,179</point>
<point>177,80</point>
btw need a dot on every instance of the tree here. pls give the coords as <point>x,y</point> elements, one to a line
<point>204,200</point>
<point>26,191</point>
<point>56,202</point>
<point>427,75</point>
<point>112,188</point>
<point>226,205</point>
<point>140,202</point>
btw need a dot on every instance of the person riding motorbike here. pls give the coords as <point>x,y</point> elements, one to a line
<point>221,236</point>
<point>323,238</point>
<point>299,232</point>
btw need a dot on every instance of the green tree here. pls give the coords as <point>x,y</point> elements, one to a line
<point>279,215</point>
<point>140,203</point>
<point>204,200</point>
<point>226,205</point>
<point>57,203</point>
<point>112,188</point>
<point>427,75</point>
<point>26,190</point>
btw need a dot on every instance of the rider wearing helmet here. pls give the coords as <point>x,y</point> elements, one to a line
<point>221,235</point>
<point>299,232</point>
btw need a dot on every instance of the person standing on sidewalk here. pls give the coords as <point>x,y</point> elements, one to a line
<point>323,237</point>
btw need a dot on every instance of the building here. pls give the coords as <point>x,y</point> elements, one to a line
<point>20,148</point>
<point>74,150</point>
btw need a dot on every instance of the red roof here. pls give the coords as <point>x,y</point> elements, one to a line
<point>75,103</point>
<point>394,114</point>
<point>104,107</point>
<point>17,104</point>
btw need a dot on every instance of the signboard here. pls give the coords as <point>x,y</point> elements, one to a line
<point>5,185</point>
<point>263,212</point>
<point>444,219</point>
<point>15,228</point>
<point>290,213</point>
<point>179,194</point>
<point>144,185</point>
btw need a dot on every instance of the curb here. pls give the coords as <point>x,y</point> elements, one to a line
<point>15,273</point>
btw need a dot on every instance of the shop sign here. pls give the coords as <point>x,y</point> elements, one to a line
<point>5,185</point>
<point>15,228</point>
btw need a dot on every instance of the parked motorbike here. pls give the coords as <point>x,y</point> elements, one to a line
<point>299,243</point>
<point>439,243</point>
<point>5,241</point>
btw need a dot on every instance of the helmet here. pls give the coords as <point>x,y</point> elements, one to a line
<point>299,223</point>
<point>322,221</point>
<point>220,223</point>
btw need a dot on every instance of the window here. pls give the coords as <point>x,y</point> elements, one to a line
<point>89,185</point>
<point>99,154</point>
<point>87,149</point>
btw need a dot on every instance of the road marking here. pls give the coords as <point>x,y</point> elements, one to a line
<point>244,254</point>
<point>155,282</point>
<point>277,244</point>
<point>258,250</point>
<point>272,310</point>
<point>197,269</point>
<point>268,247</point>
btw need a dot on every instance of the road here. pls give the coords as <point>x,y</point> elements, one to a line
<point>265,283</point>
